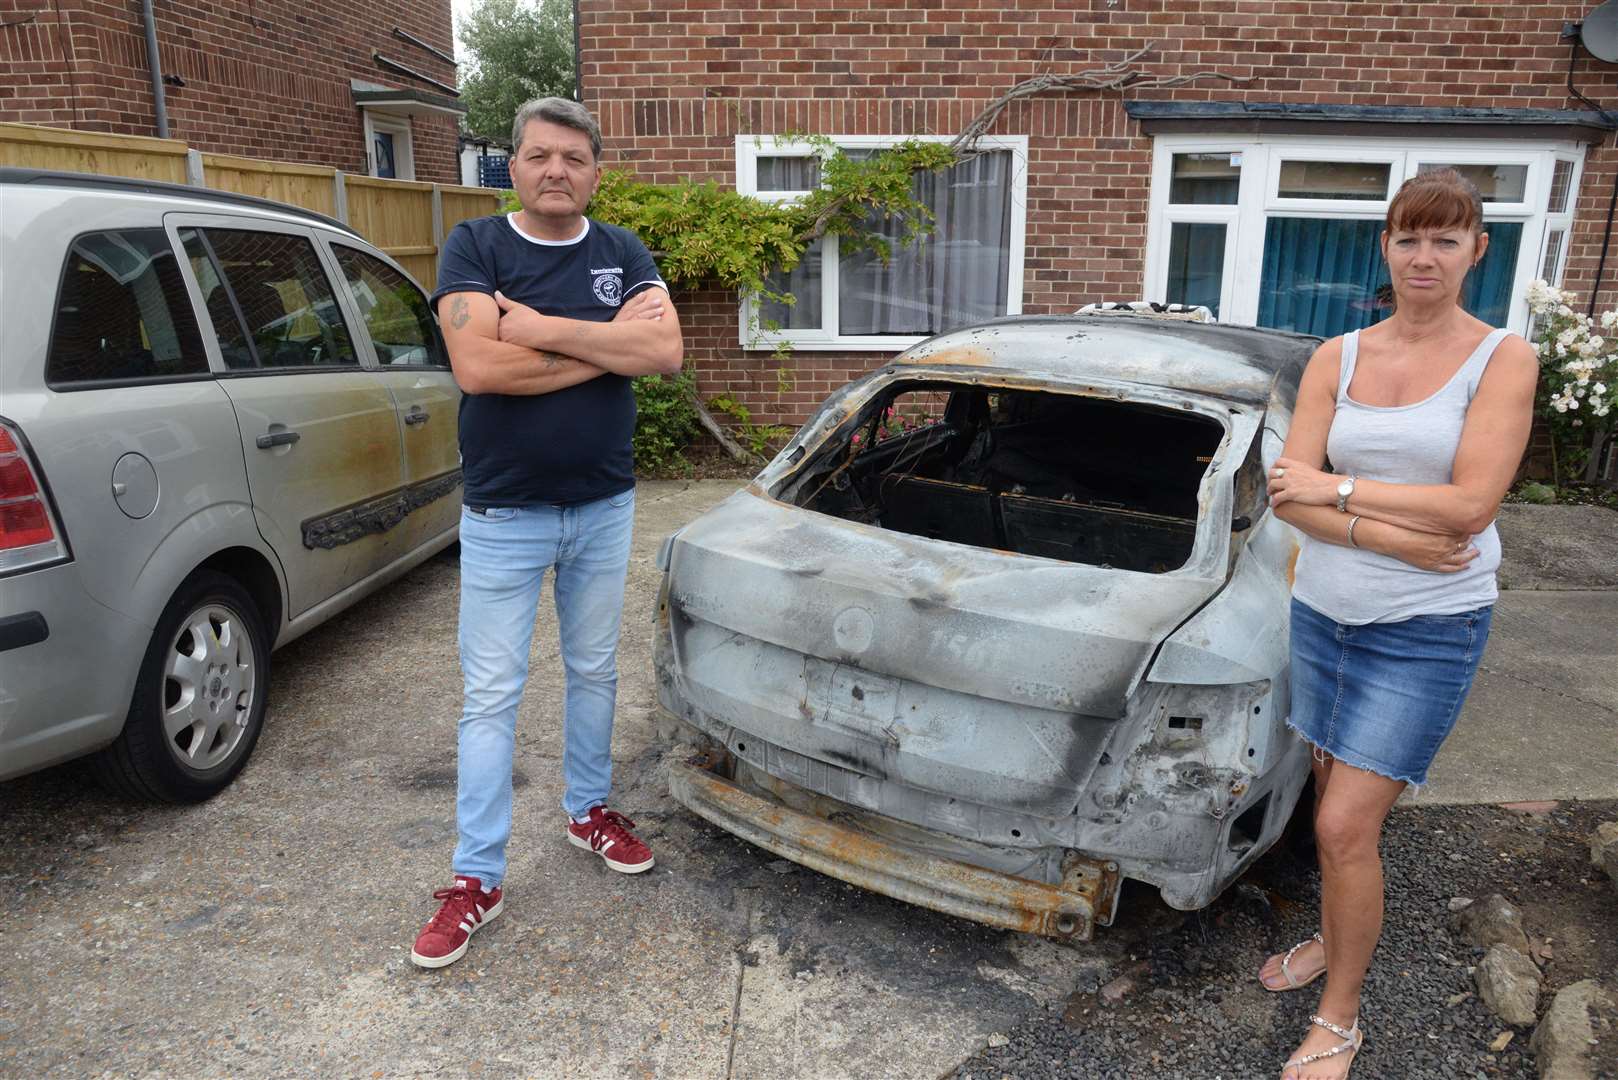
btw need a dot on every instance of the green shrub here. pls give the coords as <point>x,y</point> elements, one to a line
<point>760,440</point>
<point>1537,493</point>
<point>666,422</point>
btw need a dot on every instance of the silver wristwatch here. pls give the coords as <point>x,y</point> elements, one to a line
<point>1344,490</point>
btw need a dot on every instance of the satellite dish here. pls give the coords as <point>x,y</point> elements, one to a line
<point>1599,32</point>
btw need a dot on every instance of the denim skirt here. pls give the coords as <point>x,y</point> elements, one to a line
<point>1383,696</point>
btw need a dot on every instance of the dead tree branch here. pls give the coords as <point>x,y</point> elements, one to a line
<point>713,427</point>
<point>1121,75</point>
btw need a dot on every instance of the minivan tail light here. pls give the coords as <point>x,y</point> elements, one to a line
<point>29,536</point>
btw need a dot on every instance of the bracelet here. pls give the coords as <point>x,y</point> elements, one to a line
<point>1353,521</point>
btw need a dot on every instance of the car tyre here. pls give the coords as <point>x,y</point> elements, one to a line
<point>199,701</point>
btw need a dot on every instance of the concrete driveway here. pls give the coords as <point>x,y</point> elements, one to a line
<point>265,933</point>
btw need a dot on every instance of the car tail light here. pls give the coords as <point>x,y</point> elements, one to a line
<point>29,535</point>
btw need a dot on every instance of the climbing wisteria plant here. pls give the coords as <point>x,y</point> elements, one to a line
<point>1578,383</point>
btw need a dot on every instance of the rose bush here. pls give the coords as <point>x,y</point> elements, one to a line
<point>1578,385</point>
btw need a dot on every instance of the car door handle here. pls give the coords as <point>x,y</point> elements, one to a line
<point>416,415</point>
<point>277,438</point>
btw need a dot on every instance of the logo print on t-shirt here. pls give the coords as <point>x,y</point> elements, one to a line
<point>608,285</point>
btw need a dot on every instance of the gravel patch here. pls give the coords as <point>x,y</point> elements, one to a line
<point>1188,1005</point>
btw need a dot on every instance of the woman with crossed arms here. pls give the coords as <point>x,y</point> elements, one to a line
<point>1424,418</point>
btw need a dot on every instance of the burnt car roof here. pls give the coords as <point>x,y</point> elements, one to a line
<point>1240,363</point>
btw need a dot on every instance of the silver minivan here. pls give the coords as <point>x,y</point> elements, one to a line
<point>222,421</point>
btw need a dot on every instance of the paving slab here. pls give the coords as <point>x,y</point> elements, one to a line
<point>1558,547</point>
<point>1542,719</point>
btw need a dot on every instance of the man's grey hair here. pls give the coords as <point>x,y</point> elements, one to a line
<point>556,110</point>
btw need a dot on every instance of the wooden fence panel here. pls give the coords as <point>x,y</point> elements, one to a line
<point>396,216</point>
<point>25,146</point>
<point>309,186</point>
<point>463,203</point>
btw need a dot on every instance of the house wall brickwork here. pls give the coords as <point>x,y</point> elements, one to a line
<point>674,81</point>
<point>263,78</point>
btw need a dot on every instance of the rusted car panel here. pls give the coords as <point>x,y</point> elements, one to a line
<point>1087,893</point>
<point>953,637</point>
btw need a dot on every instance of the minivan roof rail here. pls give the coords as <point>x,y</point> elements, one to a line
<point>158,187</point>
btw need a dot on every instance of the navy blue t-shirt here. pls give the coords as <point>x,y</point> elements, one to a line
<point>570,446</point>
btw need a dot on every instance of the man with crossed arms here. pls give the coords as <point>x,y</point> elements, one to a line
<point>548,315</point>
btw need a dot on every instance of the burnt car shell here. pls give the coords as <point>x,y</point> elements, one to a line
<point>1030,647</point>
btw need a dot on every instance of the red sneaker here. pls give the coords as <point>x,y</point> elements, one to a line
<point>607,834</point>
<point>465,909</point>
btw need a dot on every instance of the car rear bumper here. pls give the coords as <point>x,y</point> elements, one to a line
<point>64,692</point>
<point>1087,895</point>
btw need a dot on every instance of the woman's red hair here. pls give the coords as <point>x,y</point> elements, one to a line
<point>1439,199</point>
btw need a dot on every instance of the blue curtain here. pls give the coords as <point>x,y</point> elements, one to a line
<point>1487,292</point>
<point>1321,276</point>
<point>1327,277</point>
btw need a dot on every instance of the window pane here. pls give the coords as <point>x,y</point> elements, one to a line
<point>227,325</point>
<point>956,276</point>
<point>1553,256</point>
<point>1487,290</point>
<point>1204,179</point>
<point>395,312</point>
<point>1321,276</point>
<point>1561,182</point>
<point>788,173</point>
<point>1496,183</point>
<point>282,294</point>
<point>385,166</point>
<point>1366,180</point>
<point>1196,264</point>
<point>803,285</point>
<point>123,312</point>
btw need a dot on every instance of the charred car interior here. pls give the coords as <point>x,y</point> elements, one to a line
<point>1060,475</point>
<point>1004,624</point>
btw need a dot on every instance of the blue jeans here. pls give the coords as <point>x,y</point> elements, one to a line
<point>504,555</point>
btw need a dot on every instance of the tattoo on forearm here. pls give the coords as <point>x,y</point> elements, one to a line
<point>551,359</point>
<point>459,312</point>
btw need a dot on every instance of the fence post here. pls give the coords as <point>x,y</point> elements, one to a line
<point>339,196</point>
<point>193,169</point>
<point>438,216</point>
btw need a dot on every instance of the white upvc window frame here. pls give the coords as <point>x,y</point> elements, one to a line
<point>404,149</point>
<point>749,148</point>
<point>1258,199</point>
<point>1559,221</point>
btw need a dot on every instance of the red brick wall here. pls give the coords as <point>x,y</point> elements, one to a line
<point>263,78</point>
<point>674,81</point>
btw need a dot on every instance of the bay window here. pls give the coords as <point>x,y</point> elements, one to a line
<point>1284,231</point>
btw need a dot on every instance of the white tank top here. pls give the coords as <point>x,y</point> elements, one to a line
<point>1399,444</point>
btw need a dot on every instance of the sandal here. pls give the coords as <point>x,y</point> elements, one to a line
<point>1353,1038</point>
<point>1293,983</point>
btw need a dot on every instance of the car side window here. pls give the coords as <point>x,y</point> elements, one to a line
<point>395,311</point>
<point>271,303</point>
<point>122,313</point>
